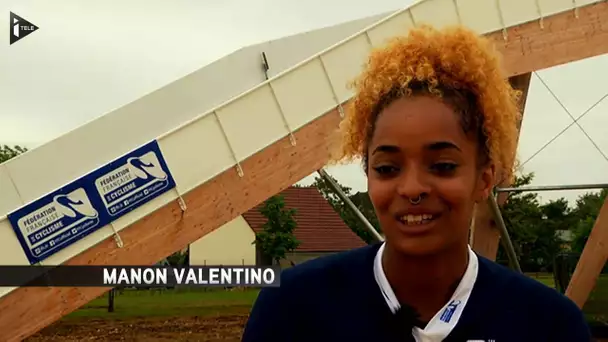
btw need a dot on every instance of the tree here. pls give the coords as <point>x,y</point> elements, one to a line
<point>586,210</point>
<point>179,258</point>
<point>7,152</point>
<point>533,227</point>
<point>581,234</point>
<point>558,214</point>
<point>361,200</point>
<point>277,236</point>
<point>588,205</point>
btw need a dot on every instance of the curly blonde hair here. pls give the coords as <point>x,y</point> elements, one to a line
<point>453,63</point>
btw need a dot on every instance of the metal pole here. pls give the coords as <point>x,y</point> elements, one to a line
<point>505,238</point>
<point>554,187</point>
<point>338,191</point>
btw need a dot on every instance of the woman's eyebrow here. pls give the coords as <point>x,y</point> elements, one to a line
<point>386,148</point>
<point>442,145</point>
<point>435,146</point>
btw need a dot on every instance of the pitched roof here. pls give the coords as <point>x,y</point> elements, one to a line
<point>320,228</point>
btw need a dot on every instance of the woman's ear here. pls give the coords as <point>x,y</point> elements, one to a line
<point>486,182</point>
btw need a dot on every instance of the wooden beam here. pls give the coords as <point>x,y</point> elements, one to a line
<point>485,236</point>
<point>27,310</point>
<point>592,260</point>
<point>564,39</point>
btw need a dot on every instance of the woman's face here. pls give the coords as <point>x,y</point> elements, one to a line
<point>420,149</point>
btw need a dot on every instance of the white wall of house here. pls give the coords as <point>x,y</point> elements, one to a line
<point>229,245</point>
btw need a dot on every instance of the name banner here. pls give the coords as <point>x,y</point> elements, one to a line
<point>139,276</point>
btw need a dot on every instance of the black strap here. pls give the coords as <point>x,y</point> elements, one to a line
<point>404,320</point>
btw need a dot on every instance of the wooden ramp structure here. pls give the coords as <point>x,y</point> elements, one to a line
<point>226,160</point>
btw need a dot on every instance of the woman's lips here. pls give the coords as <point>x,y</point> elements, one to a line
<point>417,223</point>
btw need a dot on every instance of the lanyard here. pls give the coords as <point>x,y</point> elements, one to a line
<point>444,321</point>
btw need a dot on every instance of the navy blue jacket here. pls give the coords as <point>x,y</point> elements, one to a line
<point>336,298</point>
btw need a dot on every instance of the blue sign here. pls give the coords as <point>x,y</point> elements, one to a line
<point>70,213</point>
<point>132,181</point>
<point>55,221</point>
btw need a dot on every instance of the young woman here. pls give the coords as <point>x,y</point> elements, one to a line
<point>435,122</point>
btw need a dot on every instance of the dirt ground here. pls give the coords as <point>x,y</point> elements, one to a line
<point>191,329</point>
<point>209,329</point>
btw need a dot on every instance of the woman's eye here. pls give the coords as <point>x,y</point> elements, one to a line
<point>385,169</point>
<point>444,167</point>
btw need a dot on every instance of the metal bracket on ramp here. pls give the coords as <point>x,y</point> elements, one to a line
<point>331,85</point>
<point>457,11</point>
<point>117,237</point>
<point>180,201</point>
<point>502,20</point>
<point>239,169</point>
<point>292,138</point>
<point>540,14</point>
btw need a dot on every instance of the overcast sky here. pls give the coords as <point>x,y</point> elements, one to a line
<point>89,59</point>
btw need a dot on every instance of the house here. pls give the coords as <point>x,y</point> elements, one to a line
<point>565,236</point>
<point>320,230</point>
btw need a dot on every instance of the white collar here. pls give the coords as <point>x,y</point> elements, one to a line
<point>446,319</point>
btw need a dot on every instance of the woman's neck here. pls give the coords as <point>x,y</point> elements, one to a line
<point>425,283</point>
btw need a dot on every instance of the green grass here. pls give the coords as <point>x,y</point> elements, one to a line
<point>212,302</point>
<point>545,278</point>
<point>596,307</point>
<point>169,303</point>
